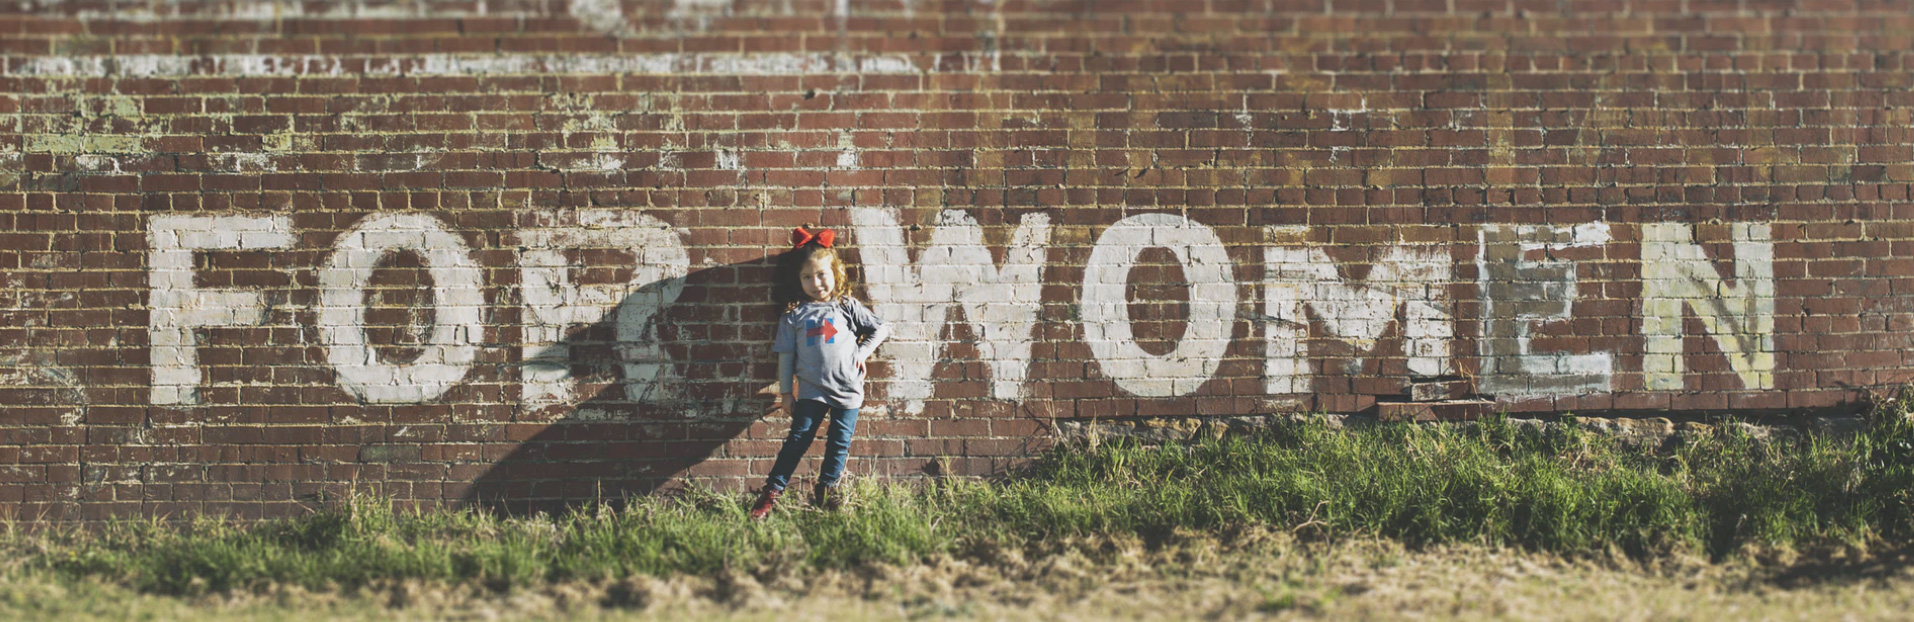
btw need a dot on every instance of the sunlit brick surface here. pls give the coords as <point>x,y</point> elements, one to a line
<point>518,254</point>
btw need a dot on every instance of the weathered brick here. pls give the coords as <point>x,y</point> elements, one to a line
<point>1531,178</point>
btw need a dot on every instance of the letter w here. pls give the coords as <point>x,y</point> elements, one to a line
<point>955,269</point>
<point>1355,313</point>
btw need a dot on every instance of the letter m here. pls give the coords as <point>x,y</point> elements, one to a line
<point>1676,272</point>
<point>1301,279</point>
<point>955,269</point>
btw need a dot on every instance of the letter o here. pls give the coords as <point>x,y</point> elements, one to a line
<point>457,300</point>
<point>1106,309</point>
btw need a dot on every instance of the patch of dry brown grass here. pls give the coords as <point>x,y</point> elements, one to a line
<point>1253,574</point>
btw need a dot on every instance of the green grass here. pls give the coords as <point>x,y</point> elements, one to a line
<point>1558,490</point>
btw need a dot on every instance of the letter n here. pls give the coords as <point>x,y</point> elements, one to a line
<point>1677,273</point>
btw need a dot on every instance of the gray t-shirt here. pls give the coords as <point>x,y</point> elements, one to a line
<point>824,336</point>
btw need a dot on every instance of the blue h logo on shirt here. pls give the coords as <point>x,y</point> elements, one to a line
<point>827,330</point>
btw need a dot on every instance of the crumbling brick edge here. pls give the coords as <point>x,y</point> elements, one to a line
<point>1658,430</point>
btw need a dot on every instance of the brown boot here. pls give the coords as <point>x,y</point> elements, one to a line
<point>766,498</point>
<point>826,497</point>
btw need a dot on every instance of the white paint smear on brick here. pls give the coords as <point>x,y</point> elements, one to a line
<point>178,307</point>
<point>956,269</point>
<point>696,15</point>
<point>98,163</point>
<point>1523,284</point>
<point>1106,308</point>
<point>600,15</point>
<point>270,10</point>
<point>600,162</point>
<point>68,144</point>
<point>457,296</point>
<point>847,156</point>
<point>554,303</point>
<point>1303,279</point>
<point>1677,273</point>
<point>244,162</point>
<point>39,369</point>
<point>163,66</point>
<point>10,166</point>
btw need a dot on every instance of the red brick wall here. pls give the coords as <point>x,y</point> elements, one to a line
<point>1402,207</point>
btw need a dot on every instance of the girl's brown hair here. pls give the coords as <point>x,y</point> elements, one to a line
<point>785,287</point>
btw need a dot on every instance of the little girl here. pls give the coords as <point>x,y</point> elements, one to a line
<point>829,366</point>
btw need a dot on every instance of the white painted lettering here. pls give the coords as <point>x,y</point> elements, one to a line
<point>1518,292</point>
<point>554,303</point>
<point>178,307</point>
<point>1410,279</point>
<point>1676,272</point>
<point>956,269</point>
<point>456,295</point>
<point>1106,308</point>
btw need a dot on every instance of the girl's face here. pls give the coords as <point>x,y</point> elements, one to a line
<point>816,277</point>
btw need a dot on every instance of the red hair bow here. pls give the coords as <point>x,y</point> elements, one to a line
<point>823,237</point>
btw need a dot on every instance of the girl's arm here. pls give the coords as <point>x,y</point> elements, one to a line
<point>868,347</point>
<point>787,365</point>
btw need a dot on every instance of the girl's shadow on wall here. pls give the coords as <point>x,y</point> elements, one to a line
<point>614,439</point>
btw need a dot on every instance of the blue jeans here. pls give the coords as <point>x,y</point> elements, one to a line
<point>805,418</point>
